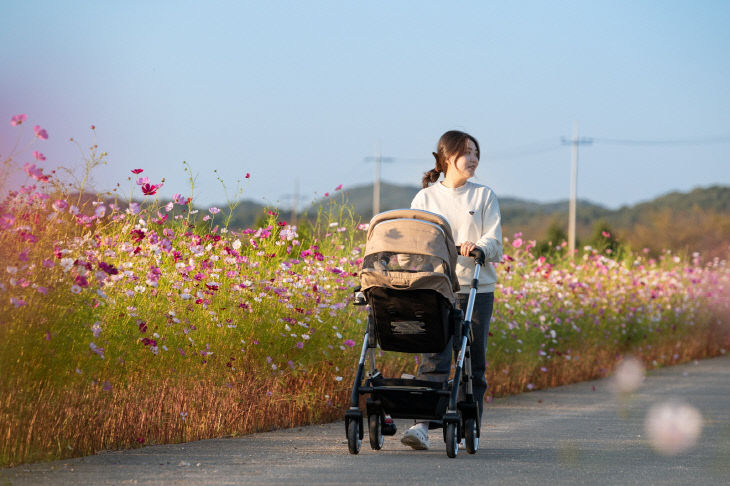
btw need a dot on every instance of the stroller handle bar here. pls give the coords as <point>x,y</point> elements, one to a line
<point>476,253</point>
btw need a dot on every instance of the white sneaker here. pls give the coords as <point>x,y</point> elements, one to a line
<point>416,437</point>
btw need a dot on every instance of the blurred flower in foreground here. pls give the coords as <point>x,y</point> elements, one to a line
<point>673,427</point>
<point>18,119</point>
<point>629,375</point>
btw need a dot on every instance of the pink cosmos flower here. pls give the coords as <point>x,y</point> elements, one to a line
<point>349,343</point>
<point>17,302</point>
<point>142,181</point>
<point>35,172</point>
<point>169,206</point>
<point>160,218</point>
<point>137,171</point>
<point>605,234</point>
<point>59,205</point>
<point>517,242</point>
<point>18,119</point>
<point>40,132</point>
<point>100,211</point>
<point>38,155</point>
<point>326,194</point>
<point>214,210</point>
<point>248,175</point>
<point>338,187</point>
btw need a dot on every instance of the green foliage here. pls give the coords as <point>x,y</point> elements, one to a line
<point>552,244</point>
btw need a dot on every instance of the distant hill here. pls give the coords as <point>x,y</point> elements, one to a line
<point>518,212</point>
<point>692,221</point>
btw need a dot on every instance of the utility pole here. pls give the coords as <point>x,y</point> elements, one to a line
<point>574,142</point>
<point>378,159</point>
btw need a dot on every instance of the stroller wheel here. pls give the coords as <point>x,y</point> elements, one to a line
<point>452,440</point>
<point>375,432</point>
<point>353,437</point>
<point>470,436</point>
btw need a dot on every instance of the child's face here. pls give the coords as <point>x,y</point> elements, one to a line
<point>466,165</point>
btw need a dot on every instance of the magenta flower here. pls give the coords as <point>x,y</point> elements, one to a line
<point>338,187</point>
<point>137,171</point>
<point>39,156</point>
<point>40,132</point>
<point>137,235</point>
<point>349,343</point>
<point>108,268</point>
<point>517,242</point>
<point>150,189</point>
<point>18,119</point>
<point>142,181</point>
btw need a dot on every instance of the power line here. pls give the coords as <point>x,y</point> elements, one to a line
<point>533,148</point>
<point>678,141</point>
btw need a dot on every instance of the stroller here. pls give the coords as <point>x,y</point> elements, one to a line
<point>408,279</point>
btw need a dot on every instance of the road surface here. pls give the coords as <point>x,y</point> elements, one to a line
<point>576,434</point>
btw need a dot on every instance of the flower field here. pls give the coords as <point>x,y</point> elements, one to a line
<point>128,323</point>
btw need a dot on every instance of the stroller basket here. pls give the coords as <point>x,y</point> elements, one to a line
<point>410,321</point>
<point>411,398</point>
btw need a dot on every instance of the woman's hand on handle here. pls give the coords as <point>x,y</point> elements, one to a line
<point>466,248</point>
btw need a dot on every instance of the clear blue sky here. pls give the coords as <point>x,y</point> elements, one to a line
<point>301,92</point>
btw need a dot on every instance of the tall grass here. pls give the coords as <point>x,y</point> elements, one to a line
<point>125,324</point>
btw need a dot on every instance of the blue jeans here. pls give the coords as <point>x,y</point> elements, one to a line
<point>437,366</point>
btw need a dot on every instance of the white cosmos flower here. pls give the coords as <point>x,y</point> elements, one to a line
<point>66,264</point>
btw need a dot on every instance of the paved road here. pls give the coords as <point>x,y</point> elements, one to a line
<point>577,434</point>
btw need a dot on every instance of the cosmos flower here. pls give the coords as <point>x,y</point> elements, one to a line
<point>18,119</point>
<point>40,132</point>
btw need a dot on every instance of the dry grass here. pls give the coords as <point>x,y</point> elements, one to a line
<point>85,419</point>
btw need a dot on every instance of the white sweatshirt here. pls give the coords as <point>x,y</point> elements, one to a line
<point>472,211</point>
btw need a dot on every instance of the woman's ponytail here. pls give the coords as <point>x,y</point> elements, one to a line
<point>432,175</point>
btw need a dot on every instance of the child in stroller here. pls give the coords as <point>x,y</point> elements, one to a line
<point>408,279</point>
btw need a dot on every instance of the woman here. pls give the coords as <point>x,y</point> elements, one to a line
<point>472,211</point>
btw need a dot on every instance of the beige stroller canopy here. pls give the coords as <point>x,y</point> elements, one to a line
<point>410,249</point>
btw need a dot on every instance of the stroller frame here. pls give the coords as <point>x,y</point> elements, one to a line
<point>449,404</point>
